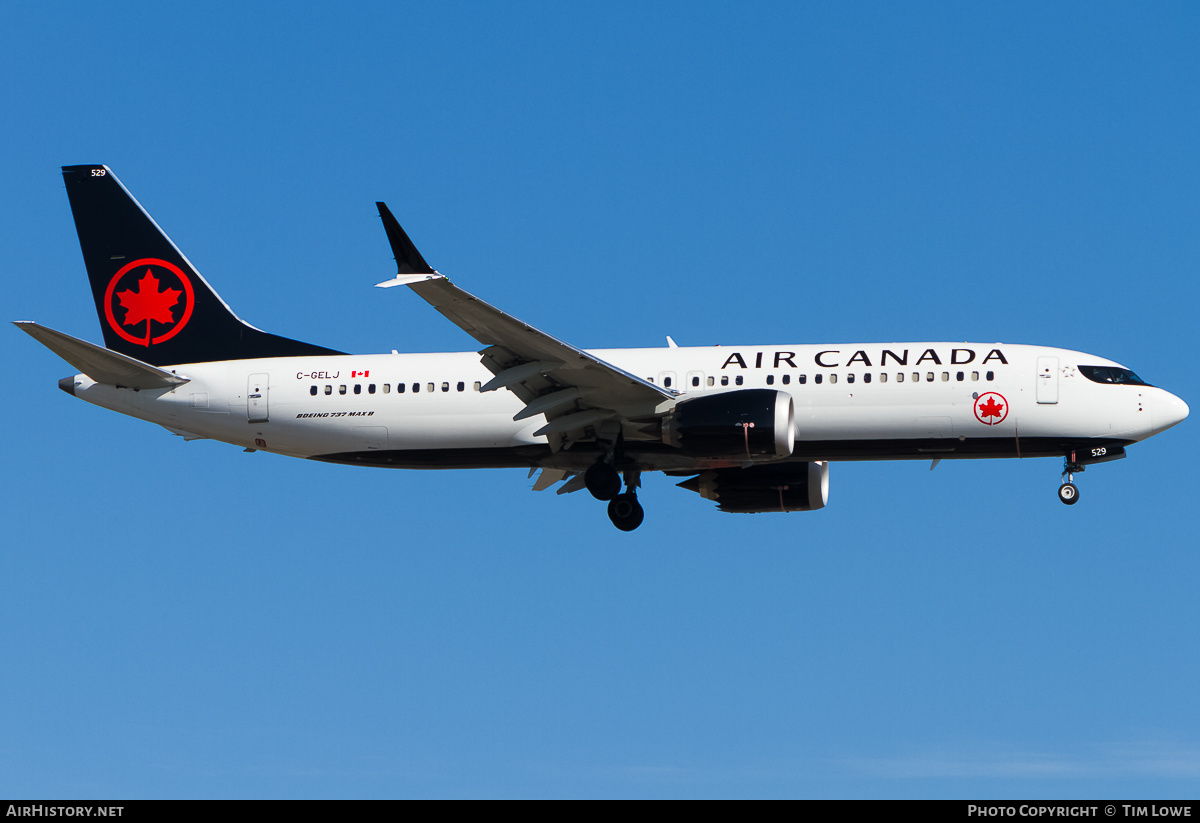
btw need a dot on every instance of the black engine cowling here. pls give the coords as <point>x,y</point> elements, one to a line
<point>754,424</point>
<point>788,487</point>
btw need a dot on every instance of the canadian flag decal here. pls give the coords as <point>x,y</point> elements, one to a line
<point>360,374</point>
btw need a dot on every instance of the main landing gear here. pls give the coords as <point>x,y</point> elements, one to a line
<point>625,512</point>
<point>1068,492</point>
<point>604,482</point>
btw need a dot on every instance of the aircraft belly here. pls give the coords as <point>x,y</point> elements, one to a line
<point>450,431</point>
<point>948,448</point>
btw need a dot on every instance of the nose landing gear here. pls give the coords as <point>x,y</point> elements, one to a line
<point>1068,492</point>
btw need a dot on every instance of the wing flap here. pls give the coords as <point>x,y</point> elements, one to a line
<point>548,478</point>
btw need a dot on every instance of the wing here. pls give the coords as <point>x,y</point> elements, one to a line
<point>582,396</point>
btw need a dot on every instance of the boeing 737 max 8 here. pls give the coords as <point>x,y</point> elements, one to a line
<point>753,428</point>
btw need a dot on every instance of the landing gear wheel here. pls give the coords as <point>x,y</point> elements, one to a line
<point>602,480</point>
<point>1068,494</point>
<point>626,512</point>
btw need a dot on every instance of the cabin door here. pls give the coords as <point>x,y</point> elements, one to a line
<point>256,398</point>
<point>1047,380</point>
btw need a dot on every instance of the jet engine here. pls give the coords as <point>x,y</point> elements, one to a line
<point>751,424</point>
<point>787,487</point>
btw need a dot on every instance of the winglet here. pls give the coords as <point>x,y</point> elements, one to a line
<point>408,259</point>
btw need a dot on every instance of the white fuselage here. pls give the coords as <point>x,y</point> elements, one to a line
<point>852,402</point>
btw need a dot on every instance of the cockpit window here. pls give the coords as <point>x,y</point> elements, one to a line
<point>1111,374</point>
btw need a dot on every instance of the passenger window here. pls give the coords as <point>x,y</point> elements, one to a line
<point>867,377</point>
<point>329,389</point>
<point>387,388</point>
<point>429,387</point>
<point>416,387</point>
<point>802,379</point>
<point>929,377</point>
<point>478,385</point>
<point>371,389</point>
<point>991,375</point>
<point>883,377</point>
<point>711,381</point>
<point>445,387</point>
<point>787,378</point>
<point>850,377</point>
<point>461,386</point>
<point>695,381</point>
<point>816,378</point>
<point>358,388</point>
<point>960,377</point>
<point>667,382</point>
<point>900,377</point>
<point>342,389</point>
<point>833,378</point>
<point>313,391</point>
<point>945,377</point>
<point>770,380</point>
<point>974,376</point>
<point>400,388</point>
<point>738,380</point>
<point>917,377</point>
<point>724,380</point>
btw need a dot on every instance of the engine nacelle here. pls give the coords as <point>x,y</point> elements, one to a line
<point>749,424</point>
<point>787,487</point>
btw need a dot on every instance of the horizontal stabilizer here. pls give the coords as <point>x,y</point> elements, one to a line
<point>99,363</point>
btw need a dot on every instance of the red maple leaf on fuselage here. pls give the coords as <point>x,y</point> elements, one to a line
<point>991,408</point>
<point>148,303</point>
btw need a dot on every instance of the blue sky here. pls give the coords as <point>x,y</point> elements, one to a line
<point>186,620</point>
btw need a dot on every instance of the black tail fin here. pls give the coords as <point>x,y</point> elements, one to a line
<point>153,304</point>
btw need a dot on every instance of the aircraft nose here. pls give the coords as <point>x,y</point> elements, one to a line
<point>1168,411</point>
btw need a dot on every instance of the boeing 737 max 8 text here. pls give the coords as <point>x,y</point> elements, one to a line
<point>753,428</point>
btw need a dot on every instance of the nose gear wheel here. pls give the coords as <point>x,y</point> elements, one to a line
<point>1068,492</point>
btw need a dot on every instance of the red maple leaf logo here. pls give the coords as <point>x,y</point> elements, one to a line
<point>148,303</point>
<point>991,408</point>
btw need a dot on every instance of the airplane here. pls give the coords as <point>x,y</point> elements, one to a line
<point>752,428</point>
